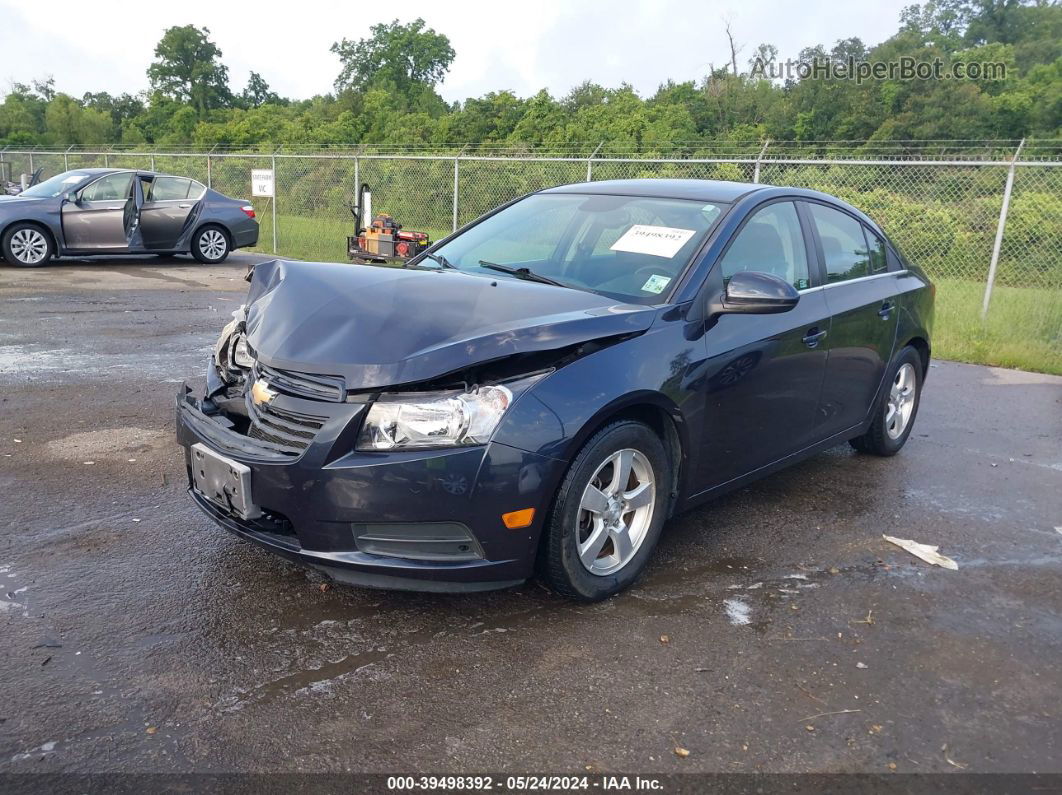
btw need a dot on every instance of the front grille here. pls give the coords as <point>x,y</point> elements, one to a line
<point>286,431</point>
<point>315,387</point>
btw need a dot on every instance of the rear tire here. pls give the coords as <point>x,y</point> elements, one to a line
<point>895,412</point>
<point>608,513</point>
<point>27,246</point>
<point>211,245</point>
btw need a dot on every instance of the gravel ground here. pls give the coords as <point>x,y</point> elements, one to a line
<point>774,631</point>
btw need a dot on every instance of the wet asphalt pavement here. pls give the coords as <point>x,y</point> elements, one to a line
<point>138,637</point>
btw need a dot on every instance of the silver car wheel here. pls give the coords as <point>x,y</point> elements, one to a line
<point>901,402</point>
<point>212,244</point>
<point>615,512</point>
<point>29,246</point>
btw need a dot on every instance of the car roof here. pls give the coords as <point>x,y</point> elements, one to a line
<point>96,171</point>
<point>710,190</point>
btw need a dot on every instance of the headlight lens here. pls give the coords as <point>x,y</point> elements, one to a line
<point>448,420</point>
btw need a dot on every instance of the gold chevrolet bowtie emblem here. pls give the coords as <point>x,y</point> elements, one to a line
<point>261,393</point>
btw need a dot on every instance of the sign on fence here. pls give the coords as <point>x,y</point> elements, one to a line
<point>261,182</point>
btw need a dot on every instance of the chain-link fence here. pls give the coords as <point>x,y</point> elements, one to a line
<point>945,215</point>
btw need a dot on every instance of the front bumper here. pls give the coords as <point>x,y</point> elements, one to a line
<point>313,503</point>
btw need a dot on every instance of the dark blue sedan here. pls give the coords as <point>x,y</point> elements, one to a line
<point>119,211</point>
<point>542,390</point>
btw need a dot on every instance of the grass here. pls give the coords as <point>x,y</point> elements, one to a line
<point>1023,328</point>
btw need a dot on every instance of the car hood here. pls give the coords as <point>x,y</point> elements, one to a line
<point>380,327</point>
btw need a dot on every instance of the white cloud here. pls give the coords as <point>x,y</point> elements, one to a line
<point>106,45</point>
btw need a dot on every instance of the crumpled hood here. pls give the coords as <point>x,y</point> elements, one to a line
<point>380,327</point>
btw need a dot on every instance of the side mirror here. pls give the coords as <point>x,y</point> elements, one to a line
<point>754,293</point>
<point>70,196</point>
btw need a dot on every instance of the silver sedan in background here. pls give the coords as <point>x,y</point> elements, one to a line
<point>121,211</point>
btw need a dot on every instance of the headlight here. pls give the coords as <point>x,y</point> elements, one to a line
<point>439,420</point>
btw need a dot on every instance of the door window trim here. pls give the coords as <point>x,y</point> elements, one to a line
<point>100,178</point>
<point>814,275</point>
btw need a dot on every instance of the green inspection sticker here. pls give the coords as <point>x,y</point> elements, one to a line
<point>655,284</point>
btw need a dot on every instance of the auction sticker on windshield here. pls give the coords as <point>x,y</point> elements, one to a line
<point>657,241</point>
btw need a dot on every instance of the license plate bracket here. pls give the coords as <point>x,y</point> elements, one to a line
<point>222,481</point>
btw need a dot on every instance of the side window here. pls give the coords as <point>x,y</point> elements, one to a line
<point>770,242</point>
<point>843,244</point>
<point>111,188</point>
<point>876,248</point>
<point>170,188</point>
<point>196,190</point>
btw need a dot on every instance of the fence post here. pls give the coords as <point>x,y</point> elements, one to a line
<point>31,161</point>
<point>589,162</point>
<point>759,158</point>
<point>152,161</point>
<point>273,201</point>
<point>2,175</point>
<point>999,231</point>
<point>215,146</point>
<point>457,167</point>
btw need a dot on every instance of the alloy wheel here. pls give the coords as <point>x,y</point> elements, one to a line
<point>29,246</point>
<point>615,512</point>
<point>900,406</point>
<point>212,244</point>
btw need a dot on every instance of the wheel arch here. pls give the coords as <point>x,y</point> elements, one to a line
<point>921,344</point>
<point>659,413</point>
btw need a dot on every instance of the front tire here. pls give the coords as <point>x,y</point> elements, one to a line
<point>608,513</point>
<point>27,246</point>
<point>895,413</point>
<point>211,245</point>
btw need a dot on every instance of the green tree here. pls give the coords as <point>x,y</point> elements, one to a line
<point>257,93</point>
<point>400,54</point>
<point>187,68</point>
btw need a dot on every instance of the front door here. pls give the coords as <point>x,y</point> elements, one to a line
<point>96,219</point>
<point>764,372</point>
<point>168,203</point>
<point>861,296</point>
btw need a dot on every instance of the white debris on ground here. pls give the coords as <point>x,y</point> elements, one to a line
<point>738,612</point>
<point>924,552</point>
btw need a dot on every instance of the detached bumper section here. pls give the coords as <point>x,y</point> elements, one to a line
<point>425,520</point>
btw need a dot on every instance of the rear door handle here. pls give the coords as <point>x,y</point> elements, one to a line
<point>813,337</point>
<point>885,311</point>
<point>184,206</point>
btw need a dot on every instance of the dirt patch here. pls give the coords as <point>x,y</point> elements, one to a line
<point>107,443</point>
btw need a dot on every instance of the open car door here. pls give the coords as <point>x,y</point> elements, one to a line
<point>171,205</point>
<point>131,216</point>
<point>104,215</point>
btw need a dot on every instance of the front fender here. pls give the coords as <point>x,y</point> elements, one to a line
<point>657,369</point>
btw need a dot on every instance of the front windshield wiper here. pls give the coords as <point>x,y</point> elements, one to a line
<point>521,273</point>
<point>440,259</point>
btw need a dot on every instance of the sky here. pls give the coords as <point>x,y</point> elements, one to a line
<point>103,45</point>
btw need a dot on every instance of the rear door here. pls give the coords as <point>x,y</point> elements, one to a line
<point>102,215</point>
<point>764,372</point>
<point>861,296</point>
<point>168,204</point>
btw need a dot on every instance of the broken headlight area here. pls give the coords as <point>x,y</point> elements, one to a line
<point>232,356</point>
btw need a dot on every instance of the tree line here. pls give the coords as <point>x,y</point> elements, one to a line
<point>386,94</point>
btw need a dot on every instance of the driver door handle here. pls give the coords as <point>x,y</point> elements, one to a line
<point>886,309</point>
<point>813,337</point>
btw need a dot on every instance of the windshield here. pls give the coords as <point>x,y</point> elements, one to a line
<point>56,186</point>
<point>631,248</point>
